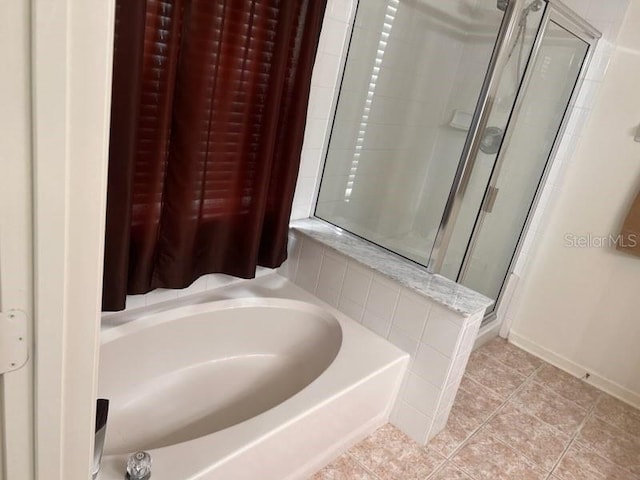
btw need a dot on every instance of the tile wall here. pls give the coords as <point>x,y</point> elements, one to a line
<point>439,340</point>
<point>335,31</point>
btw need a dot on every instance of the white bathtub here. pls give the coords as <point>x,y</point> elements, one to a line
<point>258,380</point>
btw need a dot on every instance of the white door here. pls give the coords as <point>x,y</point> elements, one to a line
<point>55,89</point>
<point>16,285</point>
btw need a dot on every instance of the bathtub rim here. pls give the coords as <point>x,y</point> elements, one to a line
<point>169,314</point>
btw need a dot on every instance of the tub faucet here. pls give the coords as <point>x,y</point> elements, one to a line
<point>102,410</point>
<point>139,466</point>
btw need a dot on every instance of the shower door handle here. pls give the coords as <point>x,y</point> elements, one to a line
<point>490,199</point>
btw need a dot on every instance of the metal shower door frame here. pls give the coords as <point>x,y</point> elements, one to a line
<point>488,96</point>
<point>557,12</point>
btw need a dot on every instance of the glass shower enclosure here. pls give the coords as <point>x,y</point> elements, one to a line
<point>445,126</point>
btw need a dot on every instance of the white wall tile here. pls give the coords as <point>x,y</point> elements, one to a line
<point>309,264</point>
<point>216,280</point>
<point>326,69</point>
<point>382,298</point>
<point>588,93</point>
<point>403,341</point>
<point>431,365</point>
<point>198,286</point>
<point>356,283</point>
<point>601,60</point>
<point>448,397</point>
<point>309,162</point>
<point>135,301</point>
<point>577,120</point>
<point>331,276</point>
<point>459,364</point>
<point>439,423</point>
<point>379,325</point>
<point>351,309</point>
<point>160,295</point>
<point>383,306</point>
<point>301,210</point>
<point>323,100</point>
<point>324,83</point>
<point>421,395</point>
<point>440,332</point>
<point>289,267</point>
<point>340,9</point>
<point>411,315</point>
<point>412,422</point>
<point>332,38</point>
<point>332,297</point>
<point>314,133</point>
<point>305,187</point>
<point>332,271</point>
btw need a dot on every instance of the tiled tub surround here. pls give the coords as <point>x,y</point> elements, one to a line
<point>433,319</point>
<point>515,418</point>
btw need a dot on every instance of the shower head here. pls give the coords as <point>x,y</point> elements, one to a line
<point>532,7</point>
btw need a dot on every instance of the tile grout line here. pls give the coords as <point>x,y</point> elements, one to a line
<point>529,380</point>
<point>439,469</point>
<point>489,390</point>
<point>613,425</point>
<point>377,477</point>
<point>393,314</point>
<point>589,413</point>
<point>491,417</point>
<point>364,467</point>
<point>571,436</point>
<point>575,435</point>
<point>593,414</point>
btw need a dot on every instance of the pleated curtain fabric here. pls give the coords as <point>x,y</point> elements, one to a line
<point>208,114</point>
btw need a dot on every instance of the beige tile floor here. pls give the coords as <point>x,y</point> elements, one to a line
<point>515,418</point>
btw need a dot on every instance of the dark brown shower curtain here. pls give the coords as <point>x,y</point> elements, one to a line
<point>207,120</point>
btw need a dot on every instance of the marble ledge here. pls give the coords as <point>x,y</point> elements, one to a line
<point>433,286</point>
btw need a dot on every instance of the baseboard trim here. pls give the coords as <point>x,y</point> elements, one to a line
<point>577,370</point>
<point>487,333</point>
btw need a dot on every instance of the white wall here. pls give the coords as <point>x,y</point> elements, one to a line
<point>579,307</point>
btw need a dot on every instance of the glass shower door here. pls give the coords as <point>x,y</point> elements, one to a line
<point>523,161</point>
<point>412,81</point>
<point>444,127</point>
